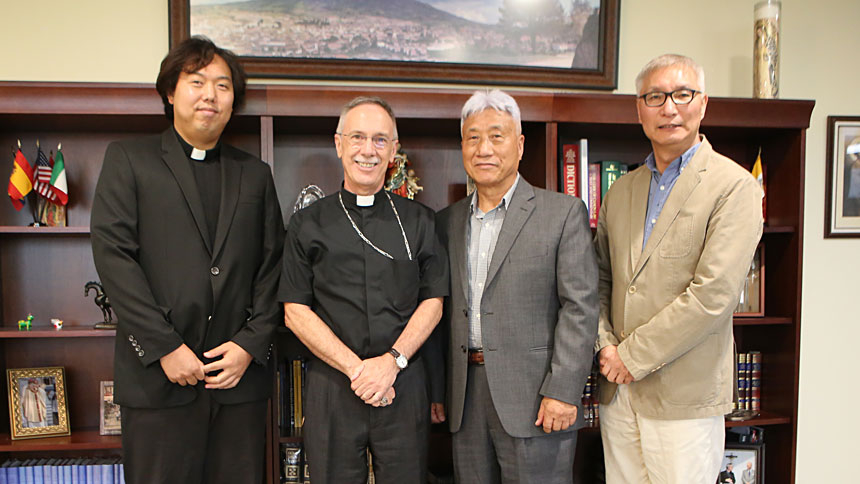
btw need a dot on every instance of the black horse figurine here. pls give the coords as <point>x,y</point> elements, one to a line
<point>103,303</point>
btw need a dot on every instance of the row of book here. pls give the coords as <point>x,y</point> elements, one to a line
<point>63,471</point>
<point>291,378</point>
<point>590,405</point>
<point>588,180</point>
<point>749,382</point>
<point>294,467</point>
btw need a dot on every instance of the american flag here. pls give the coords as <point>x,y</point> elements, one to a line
<point>43,177</point>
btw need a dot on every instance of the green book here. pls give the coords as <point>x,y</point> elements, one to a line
<point>609,172</point>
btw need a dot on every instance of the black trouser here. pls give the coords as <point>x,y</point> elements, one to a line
<point>202,441</point>
<point>340,427</point>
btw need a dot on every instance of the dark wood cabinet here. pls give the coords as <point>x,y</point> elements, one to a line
<point>43,270</point>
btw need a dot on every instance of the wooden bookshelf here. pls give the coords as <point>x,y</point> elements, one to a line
<point>43,270</point>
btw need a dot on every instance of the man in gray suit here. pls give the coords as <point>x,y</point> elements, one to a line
<point>522,315</point>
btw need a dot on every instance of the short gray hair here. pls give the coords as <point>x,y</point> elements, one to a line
<point>366,100</point>
<point>495,99</point>
<point>667,60</point>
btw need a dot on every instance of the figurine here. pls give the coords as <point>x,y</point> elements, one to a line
<point>58,323</point>
<point>103,303</point>
<point>307,196</point>
<point>400,180</point>
<point>25,324</point>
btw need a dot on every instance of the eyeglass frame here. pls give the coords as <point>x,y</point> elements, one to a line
<point>363,139</point>
<point>668,95</point>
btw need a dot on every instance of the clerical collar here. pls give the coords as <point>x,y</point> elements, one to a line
<point>362,200</point>
<point>197,154</point>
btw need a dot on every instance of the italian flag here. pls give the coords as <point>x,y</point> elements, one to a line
<point>58,179</point>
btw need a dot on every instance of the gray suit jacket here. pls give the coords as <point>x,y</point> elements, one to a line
<point>538,311</point>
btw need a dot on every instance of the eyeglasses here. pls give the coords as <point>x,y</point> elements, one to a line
<point>359,139</point>
<point>680,97</point>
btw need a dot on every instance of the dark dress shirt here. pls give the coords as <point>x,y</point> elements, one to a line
<point>363,296</point>
<point>207,174</point>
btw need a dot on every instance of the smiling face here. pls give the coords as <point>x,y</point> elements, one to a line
<point>364,163</point>
<point>492,149</point>
<point>672,128</point>
<point>203,103</point>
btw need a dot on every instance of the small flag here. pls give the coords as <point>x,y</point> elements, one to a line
<point>21,181</point>
<point>58,178</point>
<point>42,183</point>
<point>758,174</point>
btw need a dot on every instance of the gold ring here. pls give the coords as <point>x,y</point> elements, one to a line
<point>384,401</point>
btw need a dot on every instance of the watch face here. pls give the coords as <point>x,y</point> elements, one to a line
<point>401,361</point>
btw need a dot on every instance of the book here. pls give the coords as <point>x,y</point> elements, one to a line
<point>741,364</point>
<point>570,169</point>
<point>297,384</point>
<point>292,460</point>
<point>755,381</point>
<point>593,193</point>
<point>583,170</point>
<point>609,172</point>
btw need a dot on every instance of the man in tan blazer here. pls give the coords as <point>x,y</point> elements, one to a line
<point>674,240</point>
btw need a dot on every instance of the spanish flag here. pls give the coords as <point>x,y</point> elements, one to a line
<point>21,181</point>
<point>758,174</point>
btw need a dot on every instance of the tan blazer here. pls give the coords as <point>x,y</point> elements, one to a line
<point>669,307</point>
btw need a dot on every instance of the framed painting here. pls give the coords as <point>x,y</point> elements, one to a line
<point>37,402</point>
<point>539,43</point>
<point>842,210</point>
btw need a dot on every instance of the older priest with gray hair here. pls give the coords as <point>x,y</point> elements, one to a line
<point>522,314</point>
<point>362,286</point>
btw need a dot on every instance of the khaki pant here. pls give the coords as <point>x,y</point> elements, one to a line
<point>640,450</point>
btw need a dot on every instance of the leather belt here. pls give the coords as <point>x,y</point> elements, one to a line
<point>476,357</point>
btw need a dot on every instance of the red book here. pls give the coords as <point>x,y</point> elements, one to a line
<point>570,169</point>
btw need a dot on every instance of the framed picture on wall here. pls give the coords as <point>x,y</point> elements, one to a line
<point>742,464</point>
<point>548,43</point>
<point>842,210</point>
<point>37,402</point>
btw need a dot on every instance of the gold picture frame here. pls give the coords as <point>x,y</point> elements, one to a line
<point>37,402</point>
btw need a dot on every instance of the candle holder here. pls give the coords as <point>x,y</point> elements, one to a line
<point>766,50</point>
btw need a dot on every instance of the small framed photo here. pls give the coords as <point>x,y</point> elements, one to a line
<point>37,402</point>
<point>109,423</point>
<point>842,210</point>
<point>742,464</point>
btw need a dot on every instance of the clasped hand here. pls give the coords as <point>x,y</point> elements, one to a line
<point>612,367</point>
<point>373,379</point>
<point>181,366</point>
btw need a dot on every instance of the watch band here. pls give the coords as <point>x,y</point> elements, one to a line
<point>401,361</point>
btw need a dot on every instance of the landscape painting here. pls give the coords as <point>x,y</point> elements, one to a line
<point>534,36</point>
<point>540,33</point>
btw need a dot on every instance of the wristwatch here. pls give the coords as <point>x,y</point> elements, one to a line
<point>399,359</point>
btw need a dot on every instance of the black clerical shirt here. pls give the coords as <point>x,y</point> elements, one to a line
<point>364,297</point>
<point>207,174</point>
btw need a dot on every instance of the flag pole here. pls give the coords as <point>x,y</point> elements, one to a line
<point>34,197</point>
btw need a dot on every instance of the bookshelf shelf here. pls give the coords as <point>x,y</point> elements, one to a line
<point>760,321</point>
<point>765,418</point>
<point>16,230</point>
<point>86,439</point>
<point>66,332</point>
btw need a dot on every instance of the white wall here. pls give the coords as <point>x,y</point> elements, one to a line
<point>124,41</point>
